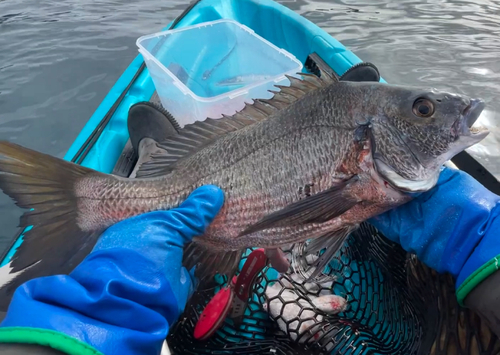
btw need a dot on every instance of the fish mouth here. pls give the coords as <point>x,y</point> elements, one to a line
<point>464,125</point>
<point>466,136</point>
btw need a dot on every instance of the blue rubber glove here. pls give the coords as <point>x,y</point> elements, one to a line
<point>454,228</point>
<point>123,298</point>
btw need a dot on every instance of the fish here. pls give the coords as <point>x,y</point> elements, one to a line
<point>311,163</point>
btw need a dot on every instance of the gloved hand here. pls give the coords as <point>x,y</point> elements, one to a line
<point>123,298</point>
<point>455,228</point>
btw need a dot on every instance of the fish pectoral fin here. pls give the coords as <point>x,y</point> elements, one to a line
<point>318,208</point>
<point>317,244</point>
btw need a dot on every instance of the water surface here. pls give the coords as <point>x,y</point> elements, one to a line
<point>58,59</point>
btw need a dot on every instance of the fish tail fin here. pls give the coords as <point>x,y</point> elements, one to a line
<point>210,262</point>
<point>11,279</point>
<point>45,185</point>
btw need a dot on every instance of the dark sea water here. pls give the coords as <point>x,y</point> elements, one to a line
<point>58,59</point>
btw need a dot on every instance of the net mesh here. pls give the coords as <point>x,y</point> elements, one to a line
<point>384,302</point>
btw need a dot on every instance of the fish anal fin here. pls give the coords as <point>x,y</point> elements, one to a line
<point>318,208</point>
<point>195,136</point>
<point>209,261</point>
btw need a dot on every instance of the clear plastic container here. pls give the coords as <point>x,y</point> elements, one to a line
<point>213,68</point>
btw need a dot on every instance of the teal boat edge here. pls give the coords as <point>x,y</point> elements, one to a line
<point>269,19</point>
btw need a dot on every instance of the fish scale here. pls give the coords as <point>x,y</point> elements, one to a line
<point>313,162</point>
<point>277,182</point>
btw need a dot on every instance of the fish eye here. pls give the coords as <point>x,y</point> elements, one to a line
<point>423,107</point>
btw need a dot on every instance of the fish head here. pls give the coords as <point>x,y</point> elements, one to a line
<point>416,131</point>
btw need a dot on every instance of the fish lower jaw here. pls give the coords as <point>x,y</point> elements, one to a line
<point>479,132</point>
<point>477,129</point>
<point>402,184</point>
<point>476,132</point>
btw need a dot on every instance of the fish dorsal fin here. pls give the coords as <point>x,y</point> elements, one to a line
<point>189,140</point>
<point>197,135</point>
